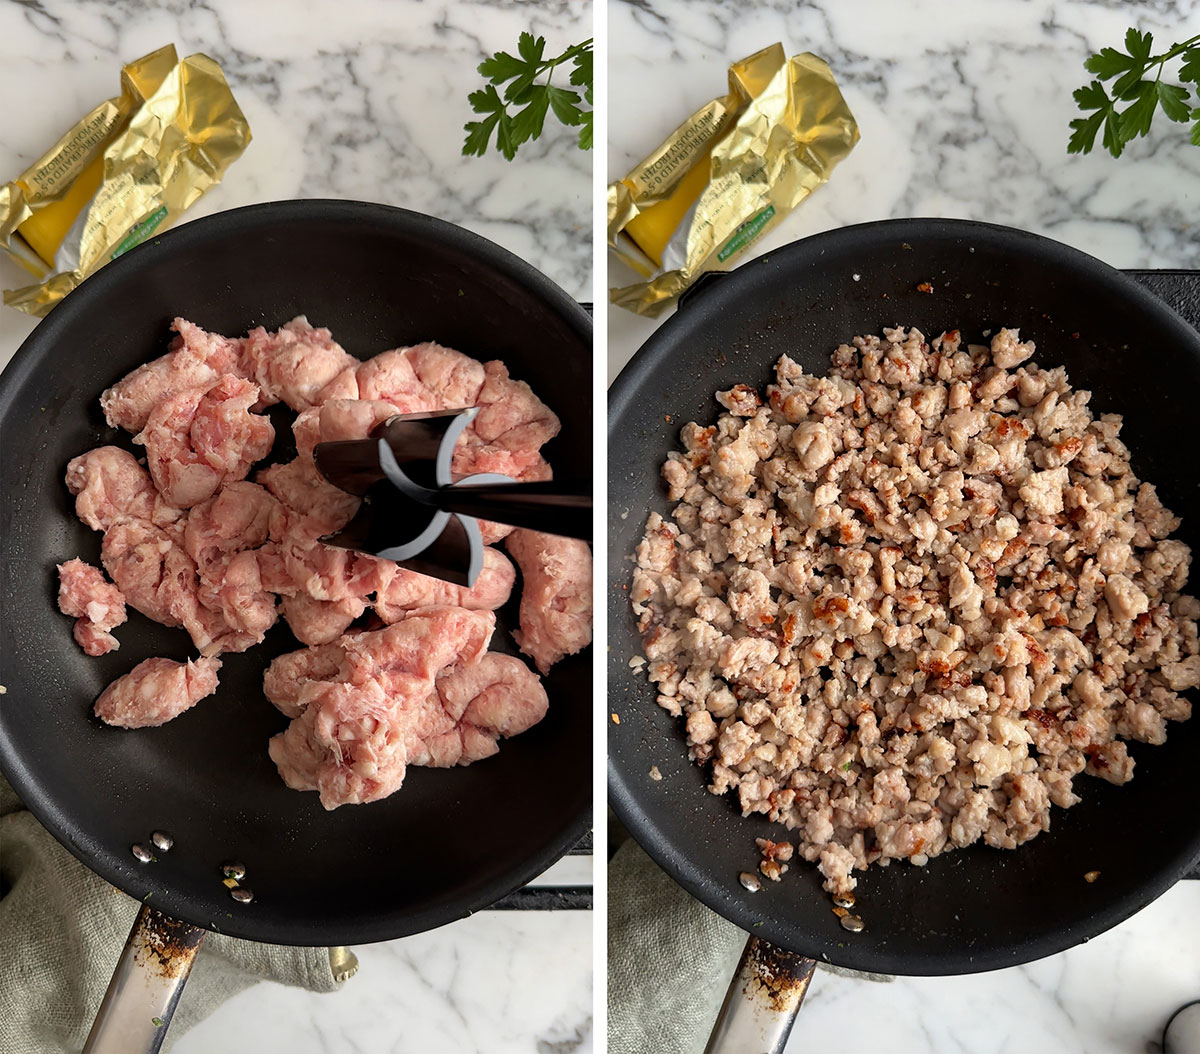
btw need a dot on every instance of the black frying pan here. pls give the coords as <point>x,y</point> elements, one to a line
<point>971,910</point>
<point>452,841</point>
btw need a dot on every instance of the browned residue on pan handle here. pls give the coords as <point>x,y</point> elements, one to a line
<point>761,1003</point>
<point>163,945</point>
<point>145,986</point>
<point>779,978</point>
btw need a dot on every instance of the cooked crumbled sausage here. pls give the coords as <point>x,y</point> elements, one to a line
<point>781,851</point>
<point>772,870</point>
<point>902,606</point>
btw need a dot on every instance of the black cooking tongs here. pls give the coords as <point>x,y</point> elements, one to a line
<point>417,514</point>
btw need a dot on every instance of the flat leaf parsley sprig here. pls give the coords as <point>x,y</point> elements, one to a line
<point>1133,86</point>
<point>521,72</point>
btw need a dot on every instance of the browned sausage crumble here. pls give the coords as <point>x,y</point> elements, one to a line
<point>903,605</point>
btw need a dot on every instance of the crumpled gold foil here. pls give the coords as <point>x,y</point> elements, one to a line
<point>727,175</point>
<point>124,171</point>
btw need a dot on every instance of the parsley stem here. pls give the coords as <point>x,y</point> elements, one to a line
<point>1176,50</point>
<point>566,56</point>
<point>1166,57</point>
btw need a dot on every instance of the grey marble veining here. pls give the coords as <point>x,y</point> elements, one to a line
<point>351,100</point>
<point>367,100</point>
<point>1112,995</point>
<point>496,983</point>
<point>963,109</point>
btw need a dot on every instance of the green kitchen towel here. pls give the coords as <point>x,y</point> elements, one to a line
<point>670,960</point>
<point>62,929</point>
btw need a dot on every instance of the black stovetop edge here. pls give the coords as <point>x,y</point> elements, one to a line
<point>1179,289</point>
<point>552,898</point>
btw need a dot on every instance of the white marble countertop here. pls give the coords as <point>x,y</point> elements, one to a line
<point>353,100</point>
<point>500,982</point>
<point>1113,995</point>
<point>344,100</point>
<point>963,110</point>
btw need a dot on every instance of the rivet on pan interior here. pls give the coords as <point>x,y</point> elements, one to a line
<point>242,895</point>
<point>852,923</point>
<point>234,871</point>
<point>162,841</point>
<point>141,854</point>
<point>844,900</point>
<point>750,881</point>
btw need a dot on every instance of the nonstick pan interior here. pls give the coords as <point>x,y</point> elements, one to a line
<point>451,841</point>
<point>969,910</point>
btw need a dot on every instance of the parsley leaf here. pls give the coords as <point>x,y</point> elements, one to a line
<point>1126,87</point>
<point>500,67</point>
<point>581,75</point>
<point>478,134</point>
<point>565,105</point>
<point>1107,64</point>
<point>1139,82</point>
<point>487,102</point>
<point>1083,133</point>
<point>528,123</point>
<point>1112,133</point>
<point>530,49</point>
<point>1138,44</point>
<point>520,114</point>
<point>1091,97</point>
<point>1173,98</point>
<point>1135,121</point>
<point>504,138</point>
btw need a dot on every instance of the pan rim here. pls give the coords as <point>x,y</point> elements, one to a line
<point>38,799</point>
<point>624,785</point>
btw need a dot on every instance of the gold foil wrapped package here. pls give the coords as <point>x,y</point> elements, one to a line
<point>727,175</point>
<point>126,170</point>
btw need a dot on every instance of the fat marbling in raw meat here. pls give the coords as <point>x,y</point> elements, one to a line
<point>556,595</point>
<point>96,605</point>
<point>198,440</point>
<point>155,691</point>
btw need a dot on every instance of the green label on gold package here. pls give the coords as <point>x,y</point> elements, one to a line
<point>746,233</point>
<point>141,232</point>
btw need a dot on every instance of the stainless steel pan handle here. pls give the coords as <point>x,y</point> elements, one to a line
<point>761,1003</point>
<point>146,985</point>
